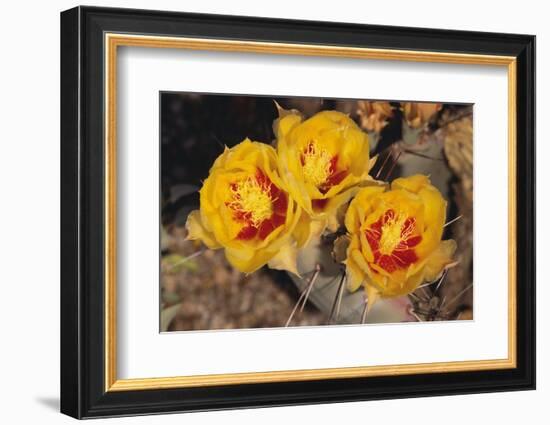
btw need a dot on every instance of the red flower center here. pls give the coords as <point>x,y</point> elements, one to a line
<point>321,169</point>
<point>259,205</point>
<point>392,239</point>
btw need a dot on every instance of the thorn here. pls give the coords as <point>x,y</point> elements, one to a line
<point>186,259</point>
<point>383,165</point>
<point>416,316</point>
<point>340,296</point>
<point>457,296</point>
<point>441,280</point>
<point>218,141</point>
<point>452,221</point>
<point>422,155</point>
<point>335,310</point>
<point>393,165</point>
<point>425,293</point>
<point>365,311</point>
<point>414,296</point>
<point>279,107</point>
<point>427,284</point>
<point>294,309</point>
<point>310,285</point>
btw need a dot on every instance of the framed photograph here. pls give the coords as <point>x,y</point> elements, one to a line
<point>261,212</point>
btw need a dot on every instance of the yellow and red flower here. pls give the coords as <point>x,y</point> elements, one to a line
<point>322,160</point>
<point>395,238</point>
<point>245,209</point>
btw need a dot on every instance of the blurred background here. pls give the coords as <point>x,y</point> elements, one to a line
<point>200,290</point>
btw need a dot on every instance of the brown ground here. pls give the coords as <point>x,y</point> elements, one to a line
<point>214,295</point>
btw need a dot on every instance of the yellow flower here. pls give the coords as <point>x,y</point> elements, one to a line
<point>245,209</point>
<point>322,160</point>
<point>419,114</point>
<point>395,238</point>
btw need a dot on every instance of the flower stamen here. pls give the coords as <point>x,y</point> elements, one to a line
<point>251,198</point>
<point>393,232</point>
<point>392,239</point>
<point>317,165</point>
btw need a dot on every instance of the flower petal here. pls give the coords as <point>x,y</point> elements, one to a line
<point>440,259</point>
<point>196,230</point>
<point>285,259</point>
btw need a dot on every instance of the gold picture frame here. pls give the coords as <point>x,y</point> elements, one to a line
<point>114,41</point>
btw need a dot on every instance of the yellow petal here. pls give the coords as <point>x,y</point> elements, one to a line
<point>404,285</point>
<point>440,260</point>
<point>285,259</point>
<point>372,161</point>
<point>283,125</point>
<point>359,204</point>
<point>354,275</point>
<point>434,215</point>
<point>196,230</point>
<point>412,183</point>
<point>246,259</point>
<point>413,282</point>
<point>373,295</point>
<point>301,232</point>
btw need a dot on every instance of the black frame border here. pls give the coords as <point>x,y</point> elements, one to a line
<point>82,212</point>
